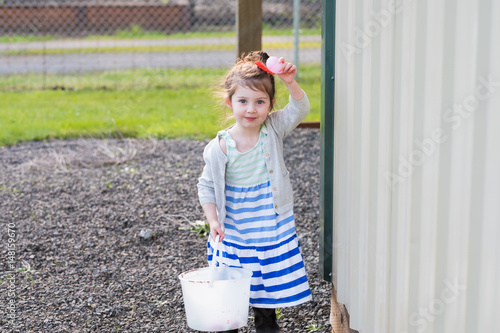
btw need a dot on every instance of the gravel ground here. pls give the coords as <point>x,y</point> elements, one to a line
<point>72,213</point>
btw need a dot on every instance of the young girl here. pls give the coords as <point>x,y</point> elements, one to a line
<point>245,189</point>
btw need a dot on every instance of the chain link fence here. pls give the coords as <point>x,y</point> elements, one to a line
<point>51,42</point>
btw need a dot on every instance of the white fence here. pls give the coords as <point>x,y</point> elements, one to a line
<point>417,165</point>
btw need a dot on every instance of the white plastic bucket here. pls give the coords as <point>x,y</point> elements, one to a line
<point>216,298</point>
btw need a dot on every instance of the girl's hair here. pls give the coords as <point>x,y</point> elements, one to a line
<point>246,73</point>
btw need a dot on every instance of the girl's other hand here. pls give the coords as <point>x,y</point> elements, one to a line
<point>215,229</point>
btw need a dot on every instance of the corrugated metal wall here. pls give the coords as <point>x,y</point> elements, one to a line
<point>417,165</point>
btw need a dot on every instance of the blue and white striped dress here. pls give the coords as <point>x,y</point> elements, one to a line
<point>256,237</point>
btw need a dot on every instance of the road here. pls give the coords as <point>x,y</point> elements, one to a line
<point>82,62</point>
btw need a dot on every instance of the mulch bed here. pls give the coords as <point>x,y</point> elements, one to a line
<point>81,263</point>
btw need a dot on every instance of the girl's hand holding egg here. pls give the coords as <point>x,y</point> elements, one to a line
<point>285,70</point>
<point>275,64</point>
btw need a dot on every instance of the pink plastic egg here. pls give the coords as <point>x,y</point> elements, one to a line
<point>274,65</point>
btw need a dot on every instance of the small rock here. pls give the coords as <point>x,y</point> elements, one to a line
<point>146,234</point>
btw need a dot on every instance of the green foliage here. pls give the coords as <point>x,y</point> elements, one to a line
<point>279,316</point>
<point>136,32</point>
<point>200,227</point>
<point>314,328</point>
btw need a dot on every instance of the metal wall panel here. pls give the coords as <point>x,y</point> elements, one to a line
<point>417,164</point>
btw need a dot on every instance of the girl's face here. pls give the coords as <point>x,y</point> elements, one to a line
<point>250,107</point>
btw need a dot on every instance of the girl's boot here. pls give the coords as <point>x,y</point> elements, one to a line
<point>265,321</point>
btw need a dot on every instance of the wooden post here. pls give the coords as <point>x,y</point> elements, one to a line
<point>336,313</point>
<point>339,317</point>
<point>249,26</point>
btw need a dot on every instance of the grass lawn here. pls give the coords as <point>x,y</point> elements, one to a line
<point>165,104</point>
<point>136,32</point>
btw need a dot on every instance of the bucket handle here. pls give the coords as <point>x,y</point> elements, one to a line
<point>213,261</point>
<point>214,255</point>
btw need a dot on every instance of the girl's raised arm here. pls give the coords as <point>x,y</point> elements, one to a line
<point>288,77</point>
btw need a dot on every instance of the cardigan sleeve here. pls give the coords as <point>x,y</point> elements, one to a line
<point>284,121</point>
<point>206,189</point>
